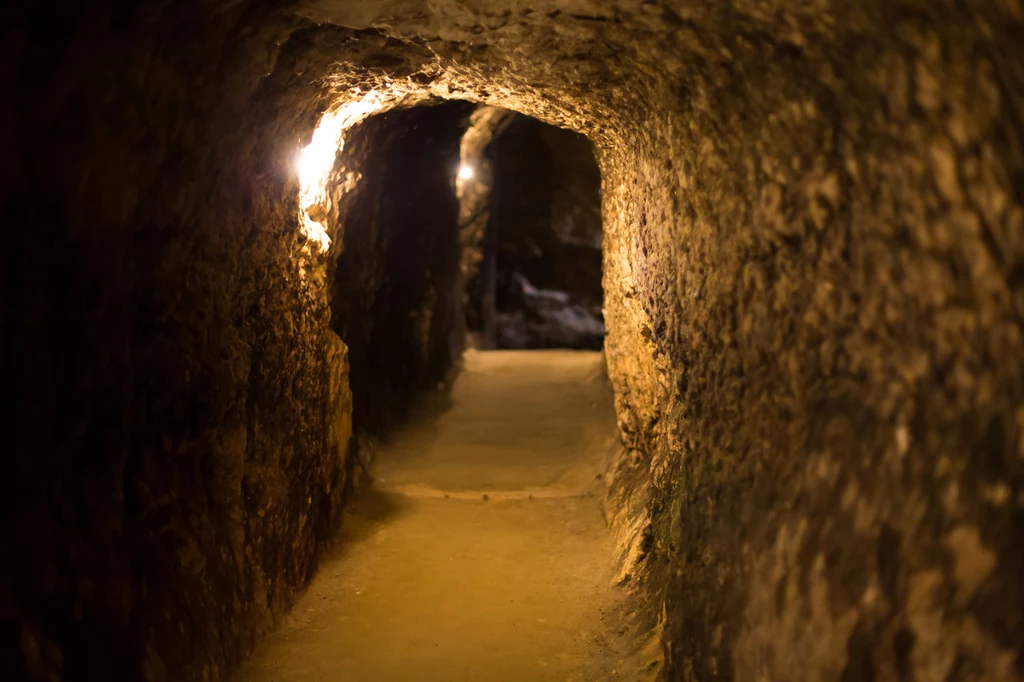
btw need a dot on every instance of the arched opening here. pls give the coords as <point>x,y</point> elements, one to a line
<point>468,226</point>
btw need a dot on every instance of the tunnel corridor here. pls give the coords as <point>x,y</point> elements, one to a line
<point>263,345</point>
<point>530,209</point>
<point>480,545</point>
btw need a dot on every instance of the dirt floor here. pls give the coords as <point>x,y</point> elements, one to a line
<point>479,552</point>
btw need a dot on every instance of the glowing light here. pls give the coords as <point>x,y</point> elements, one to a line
<point>466,173</point>
<point>315,162</point>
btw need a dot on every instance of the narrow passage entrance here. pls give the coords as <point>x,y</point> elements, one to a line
<point>476,548</point>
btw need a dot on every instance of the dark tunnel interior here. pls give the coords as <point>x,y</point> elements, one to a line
<point>538,281</point>
<point>451,340</point>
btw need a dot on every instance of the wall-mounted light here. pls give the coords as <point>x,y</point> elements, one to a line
<point>466,172</point>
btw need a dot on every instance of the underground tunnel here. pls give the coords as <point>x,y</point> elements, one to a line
<point>530,210</point>
<point>490,339</point>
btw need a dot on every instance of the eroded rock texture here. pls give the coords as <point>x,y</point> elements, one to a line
<point>813,233</point>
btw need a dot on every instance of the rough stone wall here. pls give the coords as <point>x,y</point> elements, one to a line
<point>178,410</point>
<point>476,242</point>
<point>531,224</point>
<point>821,241</point>
<point>813,236</point>
<point>812,220</point>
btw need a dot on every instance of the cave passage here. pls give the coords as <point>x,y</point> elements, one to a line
<point>673,340</point>
<point>475,540</point>
<point>480,545</point>
<point>534,193</point>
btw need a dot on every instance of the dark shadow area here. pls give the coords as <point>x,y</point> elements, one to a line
<point>366,510</point>
<point>403,297</point>
<point>397,296</point>
<point>538,283</point>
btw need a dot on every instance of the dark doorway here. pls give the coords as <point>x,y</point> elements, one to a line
<point>535,194</point>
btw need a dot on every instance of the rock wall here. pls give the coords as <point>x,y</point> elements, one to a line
<point>812,224</point>
<point>180,411</point>
<point>477,242</point>
<point>819,240</point>
<point>181,408</point>
<point>813,236</point>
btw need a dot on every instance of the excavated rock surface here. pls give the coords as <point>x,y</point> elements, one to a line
<point>486,123</point>
<point>812,263</point>
<point>478,240</point>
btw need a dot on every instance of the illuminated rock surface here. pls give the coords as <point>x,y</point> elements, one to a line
<point>813,237</point>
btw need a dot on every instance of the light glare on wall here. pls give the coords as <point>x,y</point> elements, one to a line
<point>315,162</point>
<point>466,172</point>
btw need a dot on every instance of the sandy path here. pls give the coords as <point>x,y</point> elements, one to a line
<point>431,581</point>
